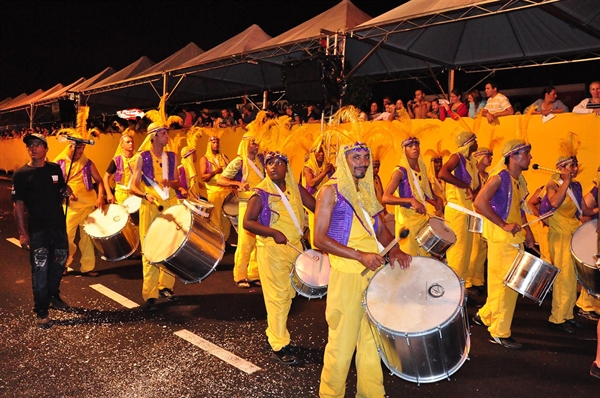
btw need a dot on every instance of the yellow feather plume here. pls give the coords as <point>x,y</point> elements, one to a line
<point>438,152</point>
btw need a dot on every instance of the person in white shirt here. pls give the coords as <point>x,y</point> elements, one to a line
<point>497,104</point>
<point>583,106</point>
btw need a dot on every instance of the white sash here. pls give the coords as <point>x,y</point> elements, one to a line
<point>165,174</point>
<point>369,218</point>
<point>289,209</point>
<point>572,196</point>
<point>421,197</point>
<point>256,170</point>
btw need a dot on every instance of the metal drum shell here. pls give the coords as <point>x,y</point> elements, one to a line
<point>425,356</point>
<point>475,224</point>
<point>201,207</point>
<point>199,253</point>
<point>531,276</point>
<point>432,242</point>
<point>116,246</point>
<point>305,288</point>
<point>588,273</point>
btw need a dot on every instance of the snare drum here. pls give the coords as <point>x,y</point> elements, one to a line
<point>188,245</point>
<point>231,209</point>
<point>310,274</point>
<point>419,320</point>
<point>115,237</point>
<point>199,206</point>
<point>436,237</point>
<point>531,276</point>
<point>475,224</point>
<point>583,249</point>
<point>132,204</point>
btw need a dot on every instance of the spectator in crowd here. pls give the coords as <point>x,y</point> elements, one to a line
<point>497,104</point>
<point>313,114</point>
<point>418,107</point>
<point>389,114</point>
<point>374,112</point>
<point>590,105</point>
<point>399,104</point>
<point>248,115</point>
<point>294,117</point>
<point>434,112</point>
<point>386,101</point>
<point>550,103</point>
<point>455,108</point>
<point>476,102</point>
<point>204,120</point>
<point>227,119</point>
<point>189,117</point>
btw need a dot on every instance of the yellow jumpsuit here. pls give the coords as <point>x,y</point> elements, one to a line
<point>77,214</point>
<point>503,247</point>
<point>216,195</point>
<point>476,270</point>
<point>122,188</point>
<point>348,325</point>
<point>413,221</point>
<point>154,276</point>
<point>274,265</point>
<point>459,255</point>
<point>563,225</point>
<point>245,265</point>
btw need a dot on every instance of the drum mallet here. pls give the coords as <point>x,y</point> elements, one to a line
<point>316,258</point>
<point>160,207</point>
<point>550,213</point>
<point>403,234</point>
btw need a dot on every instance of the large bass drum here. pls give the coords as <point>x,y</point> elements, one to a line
<point>112,232</point>
<point>584,246</point>
<point>419,320</point>
<point>189,246</point>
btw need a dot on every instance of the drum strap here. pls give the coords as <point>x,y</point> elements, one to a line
<point>159,191</point>
<point>256,170</point>
<point>572,196</point>
<point>368,217</point>
<point>288,207</point>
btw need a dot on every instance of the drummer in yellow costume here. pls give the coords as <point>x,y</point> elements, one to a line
<point>409,190</point>
<point>80,173</point>
<point>565,196</point>
<point>190,184</point>
<point>589,306</point>
<point>275,214</point>
<point>155,181</point>
<point>501,202</point>
<point>348,224</point>
<point>438,186</point>
<point>121,168</point>
<point>211,166</point>
<point>244,172</point>
<point>475,278</point>
<point>462,180</point>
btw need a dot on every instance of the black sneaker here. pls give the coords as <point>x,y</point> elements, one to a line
<point>508,342</point>
<point>58,304</point>
<point>589,315</point>
<point>151,305</point>
<point>43,321</point>
<point>477,320</point>
<point>595,370</point>
<point>563,327</point>
<point>574,323</point>
<point>286,356</point>
<point>168,294</point>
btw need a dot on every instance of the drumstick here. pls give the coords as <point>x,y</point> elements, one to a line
<point>316,258</point>
<point>463,210</point>
<point>403,234</point>
<point>160,207</point>
<point>550,213</point>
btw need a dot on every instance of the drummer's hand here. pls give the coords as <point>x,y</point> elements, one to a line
<point>150,198</point>
<point>218,170</point>
<point>418,206</point>
<point>529,239</point>
<point>110,198</point>
<point>100,202</point>
<point>512,227</point>
<point>470,195</point>
<point>73,197</point>
<point>371,261</point>
<point>24,240</point>
<point>439,207</point>
<point>397,256</point>
<point>243,186</point>
<point>279,238</point>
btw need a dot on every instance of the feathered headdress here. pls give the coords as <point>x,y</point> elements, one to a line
<point>568,148</point>
<point>438,152</point>
<point>160,121</point>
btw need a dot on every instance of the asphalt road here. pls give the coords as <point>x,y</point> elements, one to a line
<point>103,349</point>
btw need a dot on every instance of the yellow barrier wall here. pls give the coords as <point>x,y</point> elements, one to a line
<point>544,137</point>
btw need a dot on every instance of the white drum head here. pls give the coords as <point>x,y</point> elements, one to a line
<point>167,233</point>
<point>584,243</point>
<point>132,204</point>
<point>100,225</point>
<point>312,268</point>
<point>414,300</point>
<point>442,230</point>
<point>231,205</point>
<point>199,206</point>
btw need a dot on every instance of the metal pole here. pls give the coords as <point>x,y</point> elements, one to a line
<point>451,80</point>
<point>265,96</point>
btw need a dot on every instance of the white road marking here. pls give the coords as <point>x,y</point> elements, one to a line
<point>124,301</point>
<point>14,241</point>
<point>217,351</point>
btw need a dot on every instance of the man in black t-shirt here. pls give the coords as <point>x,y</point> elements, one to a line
<point>39,188</point>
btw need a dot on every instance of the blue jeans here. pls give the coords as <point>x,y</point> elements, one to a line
<point>48,255</point>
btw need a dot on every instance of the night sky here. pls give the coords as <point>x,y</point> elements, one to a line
<point>49,42</point>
